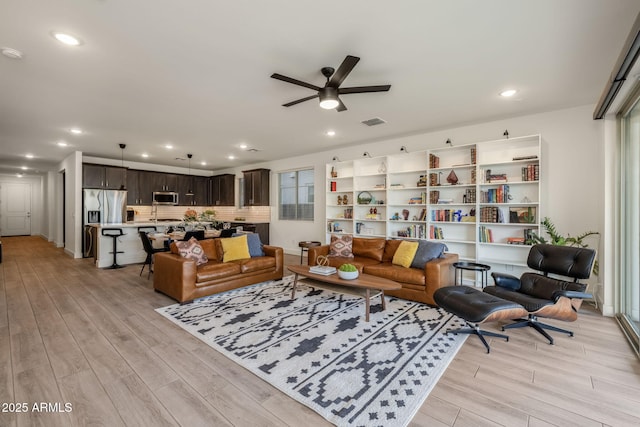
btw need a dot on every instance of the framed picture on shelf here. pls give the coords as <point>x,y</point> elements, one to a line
<point>522,215</point>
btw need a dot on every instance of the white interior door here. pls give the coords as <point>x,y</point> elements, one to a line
<point>15,209</point>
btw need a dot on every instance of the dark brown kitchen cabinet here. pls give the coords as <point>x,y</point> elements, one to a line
<point>101,176</point>
<point>223,190</point>
<point>133,190</point>
<point>256,187</point>
<point>199,186</point>
<point>147,183</point>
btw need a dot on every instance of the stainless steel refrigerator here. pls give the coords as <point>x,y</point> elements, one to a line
<point>101,207</point>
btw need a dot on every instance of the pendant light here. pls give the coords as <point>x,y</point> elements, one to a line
<point>190,191</point>
<point>122,147</point>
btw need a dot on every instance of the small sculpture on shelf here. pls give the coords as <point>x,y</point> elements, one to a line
<point>345,200</point>
<point>452,178</point>
<point>334,174</point>
<point>339,200</point>
<point>405,214</point>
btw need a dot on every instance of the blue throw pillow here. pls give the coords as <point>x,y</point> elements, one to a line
<point>426,252</point>
<point>254,243</point>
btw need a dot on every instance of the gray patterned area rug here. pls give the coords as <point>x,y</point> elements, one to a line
<point>319,350</point>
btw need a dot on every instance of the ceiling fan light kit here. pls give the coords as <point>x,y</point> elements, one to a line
<point>329,94</point>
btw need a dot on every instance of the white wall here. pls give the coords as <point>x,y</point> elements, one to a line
<point>572,170</point>
<point>72,168</point>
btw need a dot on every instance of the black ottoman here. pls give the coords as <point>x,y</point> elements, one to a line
<point>476,307</point>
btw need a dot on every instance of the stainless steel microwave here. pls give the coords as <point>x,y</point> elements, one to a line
<point>165,198</point>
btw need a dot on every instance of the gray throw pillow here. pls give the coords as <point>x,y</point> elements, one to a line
<point>426,252</point>
<point>254,243</point>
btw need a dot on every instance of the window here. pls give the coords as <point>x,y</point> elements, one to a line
<point>629,310</point>
<point>296,195</point>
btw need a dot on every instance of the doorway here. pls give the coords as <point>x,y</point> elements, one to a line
<point>15,209</point>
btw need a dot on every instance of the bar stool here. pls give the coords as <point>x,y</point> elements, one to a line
<point>114,233</point>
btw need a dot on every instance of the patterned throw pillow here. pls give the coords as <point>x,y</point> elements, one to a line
<point>341,246</point>
<point>191,249</point>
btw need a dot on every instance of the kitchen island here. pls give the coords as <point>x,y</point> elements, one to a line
<point>129,243</point>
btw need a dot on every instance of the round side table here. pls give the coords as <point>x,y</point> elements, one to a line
<point>305,245</point>
<point>470,266</point>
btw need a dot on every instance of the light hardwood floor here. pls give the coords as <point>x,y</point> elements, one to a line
<point>72,333</point>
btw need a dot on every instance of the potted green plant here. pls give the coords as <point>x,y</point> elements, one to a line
<point>348,272</point>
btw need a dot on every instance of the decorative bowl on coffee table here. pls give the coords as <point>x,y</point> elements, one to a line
<point>348,275</point>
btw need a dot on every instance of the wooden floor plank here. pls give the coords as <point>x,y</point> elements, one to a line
<point>90,403</point>
<point>72,333</point>
<point>188,407</point>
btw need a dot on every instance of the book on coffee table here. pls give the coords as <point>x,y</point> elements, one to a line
<point>322,269</point>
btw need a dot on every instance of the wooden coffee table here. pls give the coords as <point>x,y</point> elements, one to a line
<point>362,286</point>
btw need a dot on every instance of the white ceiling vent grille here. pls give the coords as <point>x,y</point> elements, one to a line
<point>373,122</point>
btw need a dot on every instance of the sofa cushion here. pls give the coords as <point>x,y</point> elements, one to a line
<point>405,253</point>
<point>212,249</point>
<point>250,265</point>
<point>390,249</point>
<point>368,248</point>
<point>397,273</point>
<point>235,248</point>
<point>191,249</point>
<point>341,246</point>
<point>426,252</point>
<point>254,243</point>
<point>214,270</point>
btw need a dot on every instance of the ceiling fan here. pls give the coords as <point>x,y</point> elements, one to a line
<point>328,94</point>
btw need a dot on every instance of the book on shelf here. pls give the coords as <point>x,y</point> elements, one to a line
<point>531,173</point>
<point>325,270</point>
<point>491,214</point>
<point>473,155</point>
<point>532,157</point>
<point>434,161</point>
<point>435,232</point>
<point>516,240</point>
<point>485,234</point>
<point>445,201</point>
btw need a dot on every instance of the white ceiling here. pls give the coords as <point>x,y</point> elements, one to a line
<point>196,73</point>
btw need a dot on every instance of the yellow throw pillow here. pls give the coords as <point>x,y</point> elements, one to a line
<point>235,248</point>
<point>405,253</point>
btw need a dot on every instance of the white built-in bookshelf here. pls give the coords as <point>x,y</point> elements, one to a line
<point>484,216</point>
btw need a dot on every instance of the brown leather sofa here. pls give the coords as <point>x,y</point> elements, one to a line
<point>374,256</point>
<point>183,281</point>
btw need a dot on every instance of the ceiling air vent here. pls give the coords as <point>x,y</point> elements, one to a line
<point>373,122</point>
<point>253,150</point>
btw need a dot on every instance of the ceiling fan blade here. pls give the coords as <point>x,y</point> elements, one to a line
<point>293,81</point>
<point>364,89</point>
<point>343,70</point>
<point>298,101</point>
<point>341,106</point>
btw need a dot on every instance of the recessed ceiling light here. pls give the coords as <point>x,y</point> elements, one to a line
<point>231,157</point>
<point>11,53</point>
<point>29,156</point>
<point>19,175</point>
<point>67,39</point>
<point>243,146</point>
<point>76,131</point>
<point>62,144</point>
<point>508,93</point>
<point>168,146</point>
<point>24,168</point>
<point>331,133</point>
<point>203,163</point>
<point>145,155</point>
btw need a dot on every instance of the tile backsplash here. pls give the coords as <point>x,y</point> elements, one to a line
<point>223,213</point>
